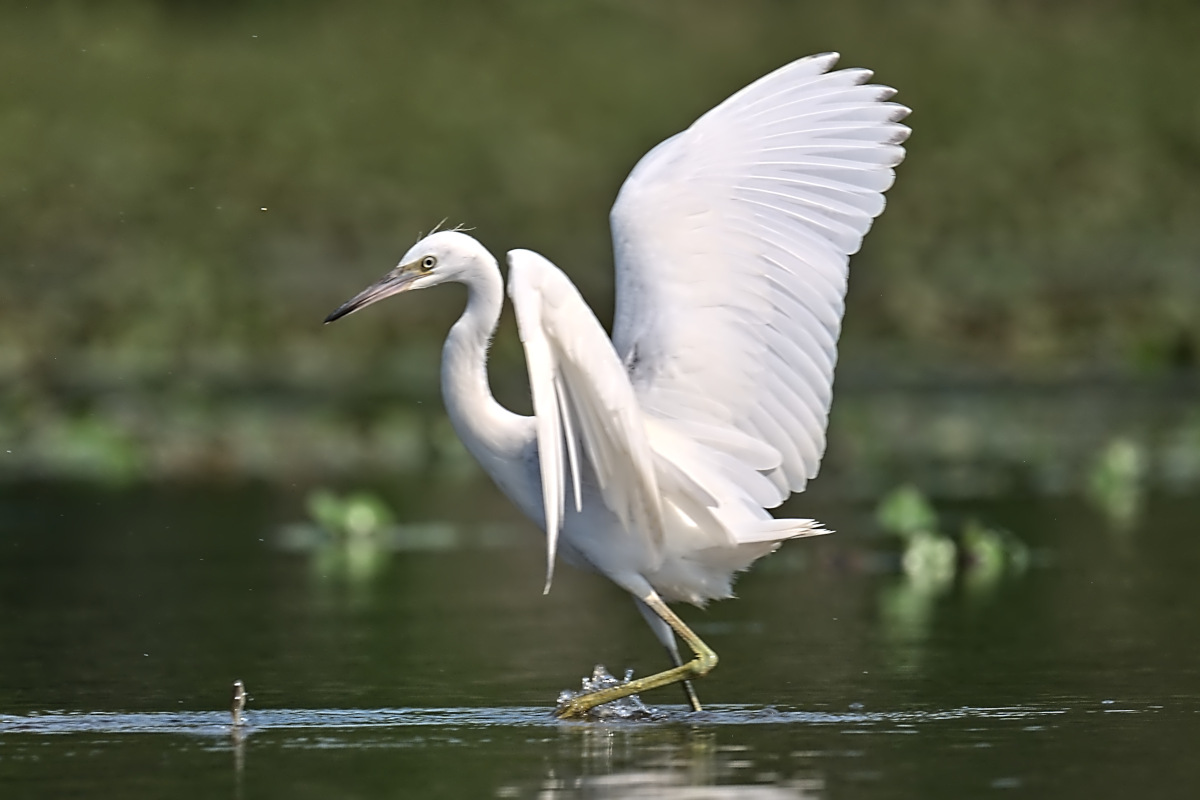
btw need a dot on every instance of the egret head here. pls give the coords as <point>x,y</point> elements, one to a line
<point>441,257</point>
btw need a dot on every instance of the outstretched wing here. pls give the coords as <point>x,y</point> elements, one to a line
<point>583,401</point>
<point>732,241</point>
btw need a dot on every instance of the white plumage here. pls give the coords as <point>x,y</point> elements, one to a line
<point>652,458</point>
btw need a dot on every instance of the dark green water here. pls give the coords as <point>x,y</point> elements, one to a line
<point>428,667</point>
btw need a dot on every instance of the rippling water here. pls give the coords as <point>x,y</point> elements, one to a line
<point>727,752</point>
<point>427,664</point>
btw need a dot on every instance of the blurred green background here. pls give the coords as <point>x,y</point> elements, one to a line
<point>199,482</point>
<point>187,188</point>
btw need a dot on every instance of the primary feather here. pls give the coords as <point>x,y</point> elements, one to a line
<point>732,241</point>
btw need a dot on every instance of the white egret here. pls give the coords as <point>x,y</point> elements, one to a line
<point>652,458</point>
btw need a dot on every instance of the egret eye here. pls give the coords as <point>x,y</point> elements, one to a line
<point>428,263</point>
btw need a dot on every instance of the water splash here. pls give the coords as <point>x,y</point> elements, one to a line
<point>623,708</point>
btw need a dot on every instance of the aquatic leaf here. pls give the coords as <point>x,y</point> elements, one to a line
<point>930,559</point>
<point>1115,482</point>
<point>358,515</point>
<point>906,512</point>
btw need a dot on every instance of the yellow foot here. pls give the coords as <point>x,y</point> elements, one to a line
<point>575,708</point>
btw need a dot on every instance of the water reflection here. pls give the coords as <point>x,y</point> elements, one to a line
<point>237,740</point>
<point>669,763</point>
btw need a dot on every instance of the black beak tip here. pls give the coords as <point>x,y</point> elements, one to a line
<point>338,314</point>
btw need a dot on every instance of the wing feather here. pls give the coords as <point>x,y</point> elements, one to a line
<point>584,404</point>
<point>732,242</point>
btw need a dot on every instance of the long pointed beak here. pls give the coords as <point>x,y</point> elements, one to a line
<point>396,281</point>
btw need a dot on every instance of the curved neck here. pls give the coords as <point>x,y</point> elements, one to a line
<point>488,429</point>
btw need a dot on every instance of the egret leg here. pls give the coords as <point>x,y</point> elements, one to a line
<point>665,635</point>
<point>689,691</point>
<point>703,662</point>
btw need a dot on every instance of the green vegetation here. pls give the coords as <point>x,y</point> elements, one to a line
<point>1116,482</point>
<point>357,515</point>
<point>931,558</point>
<point>935,562</point>
<point>186,189</point>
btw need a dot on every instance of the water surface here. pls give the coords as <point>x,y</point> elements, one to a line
<point>428,665</point>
